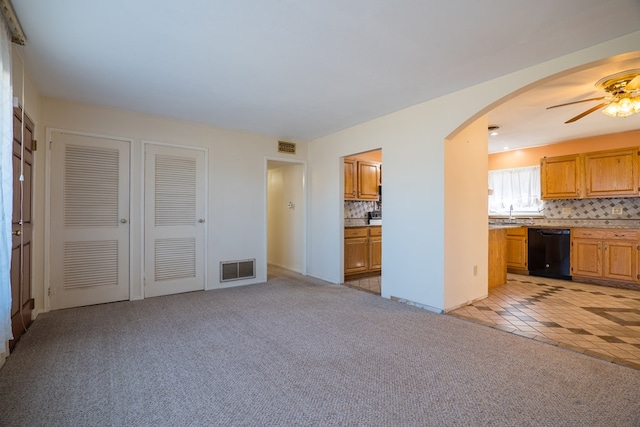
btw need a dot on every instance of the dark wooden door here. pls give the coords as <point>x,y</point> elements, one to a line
<point>21,227</point>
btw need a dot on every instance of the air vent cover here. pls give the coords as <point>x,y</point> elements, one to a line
<point>286,147</point>
<point>237,270</point>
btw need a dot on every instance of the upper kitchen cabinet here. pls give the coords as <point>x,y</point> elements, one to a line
<point>561,177</point>
<point>350,179</point>
<point>361,179</point>
<point>611,173</point>
<point>599,174</point>
<point>368,180</point>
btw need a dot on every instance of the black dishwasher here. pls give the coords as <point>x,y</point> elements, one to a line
<point>549,251</point>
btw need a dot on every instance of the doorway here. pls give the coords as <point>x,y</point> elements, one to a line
<point>286,215</point>
<point>363,221</point>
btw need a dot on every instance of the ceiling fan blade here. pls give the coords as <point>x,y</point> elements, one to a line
<point>589,111</point>
<point>633,84</point>
<point>577,102</point>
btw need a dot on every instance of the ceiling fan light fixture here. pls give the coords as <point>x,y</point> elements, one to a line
<point>624,106</point>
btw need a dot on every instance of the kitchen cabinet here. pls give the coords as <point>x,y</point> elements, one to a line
<point>517,250</point>
<point>611,173</point>
<point>368,180</point>
<point>497,269</point>
<point>605,254</point>
<point>361,179</point>
<point>362,250</point>
<point>350,179</point>
<point>599,174</point>
<point>561,177</point>
<point>375,248</point>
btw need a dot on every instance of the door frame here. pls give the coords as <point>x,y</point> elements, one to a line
<point>47,206</point>
<point>305,202</point>
<point>143,154</point>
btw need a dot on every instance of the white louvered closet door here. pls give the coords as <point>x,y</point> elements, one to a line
<point>89,220</point>
<point>174,220</point>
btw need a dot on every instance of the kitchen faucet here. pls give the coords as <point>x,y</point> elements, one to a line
<point>511,213</point>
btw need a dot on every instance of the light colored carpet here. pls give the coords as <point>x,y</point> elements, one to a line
<point>295,351</point>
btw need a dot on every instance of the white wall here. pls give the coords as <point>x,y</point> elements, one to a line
<point>415,202</point>
<point>465,221</point>
<point>285,224</point>
<point>236,180</point>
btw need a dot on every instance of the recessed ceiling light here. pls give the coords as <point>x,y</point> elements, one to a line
<point>505,148</point>
<point>493,130</point>
<point>494,133</point>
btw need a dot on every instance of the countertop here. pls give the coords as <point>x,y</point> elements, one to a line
<point>359,222</point>
<point>566,223</point>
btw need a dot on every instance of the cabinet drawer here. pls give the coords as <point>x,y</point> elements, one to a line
<point>355,232</point>
<point>622,234</point>
<point>518,231</point>
<point>589,233</point>
<point>599,233</point>
<point>375,231</point>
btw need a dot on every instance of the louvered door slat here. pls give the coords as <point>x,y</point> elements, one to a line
<point>91,186</point>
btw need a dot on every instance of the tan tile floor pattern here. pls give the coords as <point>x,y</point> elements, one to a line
<point>369,284</point>
<point>599,321</point>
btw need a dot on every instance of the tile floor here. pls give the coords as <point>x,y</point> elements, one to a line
<point>599,321</point>
<point>369,284</point>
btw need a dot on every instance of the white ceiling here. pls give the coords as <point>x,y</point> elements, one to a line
<point>525,120</point>
<point>302,69</point>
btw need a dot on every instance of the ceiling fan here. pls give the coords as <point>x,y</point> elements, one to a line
<point>622,99</point>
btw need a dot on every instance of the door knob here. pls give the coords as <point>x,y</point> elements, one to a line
<point>17,233</point>
<point>123,220</point>
<point>201,220</point>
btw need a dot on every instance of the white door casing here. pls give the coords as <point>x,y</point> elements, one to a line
<point>174,218</point>
<point>89,223</point>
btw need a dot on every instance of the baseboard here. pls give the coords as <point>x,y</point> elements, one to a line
<point>416,304</point>
<point>36,312</point>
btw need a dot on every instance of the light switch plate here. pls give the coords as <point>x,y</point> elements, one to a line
<point>566,211</point>
<point>616,210</point>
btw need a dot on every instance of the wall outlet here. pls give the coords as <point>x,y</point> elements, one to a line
<point>616,210</point>
<point>566,211</point>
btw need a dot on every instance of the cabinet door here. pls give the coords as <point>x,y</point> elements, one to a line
<point>350,179</point>
<point>620,260</point>
<point>368,180</point>
<point>375,252</point>
<point>516,252</point>
<point>586,257</point>
<point>611,173</point>
<point>356,254</point>
<point>561,177</point>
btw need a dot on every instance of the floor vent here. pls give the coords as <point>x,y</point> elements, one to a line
<point>236,270</point>
<point>286,147</point>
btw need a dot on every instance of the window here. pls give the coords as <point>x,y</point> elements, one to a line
<point>515,191</point>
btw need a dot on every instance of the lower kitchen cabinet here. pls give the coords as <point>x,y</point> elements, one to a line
<point>497,270</point>
<point>362,250</point>
<point>605,254</point>
<point>517,250</point>
<point>375,248</point>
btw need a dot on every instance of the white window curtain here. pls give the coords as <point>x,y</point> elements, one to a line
<point>515,190</point>
<point>6,184</point>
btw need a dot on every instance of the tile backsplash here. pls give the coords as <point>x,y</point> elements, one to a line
<point>357,209</point>
<point>592,209</point>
